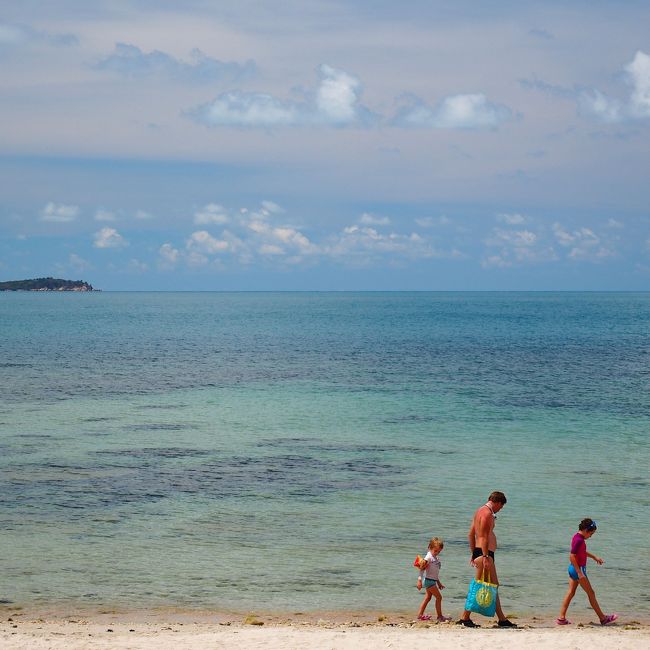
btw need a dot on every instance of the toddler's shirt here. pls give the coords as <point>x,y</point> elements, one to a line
<point>433,568</point>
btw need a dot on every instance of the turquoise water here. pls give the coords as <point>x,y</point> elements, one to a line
<point>293,452</point>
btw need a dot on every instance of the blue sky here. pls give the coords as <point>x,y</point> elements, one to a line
<point>326,144</point>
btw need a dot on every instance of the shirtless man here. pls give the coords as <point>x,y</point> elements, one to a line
<point>482,545</point>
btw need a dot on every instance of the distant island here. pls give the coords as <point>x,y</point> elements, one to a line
<point>46,284</point>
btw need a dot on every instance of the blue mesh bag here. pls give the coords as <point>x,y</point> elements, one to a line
<point>482,597</point>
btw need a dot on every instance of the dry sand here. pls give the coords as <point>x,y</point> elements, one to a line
<point>181,631</point>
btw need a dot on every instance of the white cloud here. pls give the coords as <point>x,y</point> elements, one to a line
<point>336,103</point>
<point>109,238</point>
<point>584,243</point>
<point>142,215</point>
<point>271,207</point>
<point>252,234</point>
<point>517,238</point>
<point>294,238</point>
<point>271,249</point>
<point>236,108</point>
<point>614,223</point>
<point>601,107</point>
<point>212,213</point>
<point>130,61</point>
<point>365,244</point>
<point>639,72</point>
<point>470,111</point>
<point>104,215</point>
<point>368,219</point>
<point>337,96</point>
<point>169,256</point>
<point>511,219</point>
<point>637,106</point>
<point>516,247</point>
<point>204,243</point>
<point>59,213</point>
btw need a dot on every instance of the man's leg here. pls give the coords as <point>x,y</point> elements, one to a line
<point>494,579</point>
<point>478,563</point>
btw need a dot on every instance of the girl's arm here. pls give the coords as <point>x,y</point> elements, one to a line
<point>595,558</point>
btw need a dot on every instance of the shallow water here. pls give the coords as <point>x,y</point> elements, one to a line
<point>295,451</point>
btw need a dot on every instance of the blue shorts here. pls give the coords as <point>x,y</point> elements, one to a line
<point>429,582</point>
<point>572,572</point>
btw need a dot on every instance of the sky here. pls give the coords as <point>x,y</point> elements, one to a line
<point>326,144</point>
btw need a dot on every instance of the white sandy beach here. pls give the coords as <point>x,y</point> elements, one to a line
<point>18,632</point>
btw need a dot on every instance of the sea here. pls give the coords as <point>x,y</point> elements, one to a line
<point>293,452</point>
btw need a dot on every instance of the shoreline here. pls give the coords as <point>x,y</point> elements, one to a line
<point>61,612</point>
<point>172,629</point>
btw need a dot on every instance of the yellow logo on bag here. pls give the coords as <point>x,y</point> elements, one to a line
<point>484,597</point>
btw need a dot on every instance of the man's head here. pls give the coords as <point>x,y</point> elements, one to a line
<point>498,500</point>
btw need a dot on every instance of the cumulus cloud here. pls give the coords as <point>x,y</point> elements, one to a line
<point>204,243</point>
<point>59,213</point>
<point>271,208</point>
<point>470,111</point>
<point>263,234</point>
<point>516,247</point>
<point>511,219</point>
<point>109,238</point>
<point>517,238</point>
<point>635,107</point>
<point>582,243</point>
<point>364,246</point>
<point>212,213</point>
<point>168,256</point>
<point>130,61</point>
<point>335,103</point>
<point>368,219</point>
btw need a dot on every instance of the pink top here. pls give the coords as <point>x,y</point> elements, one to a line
<point>579,549</point>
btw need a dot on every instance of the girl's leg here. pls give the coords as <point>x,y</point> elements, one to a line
<point>435,592</point>
<point>571,592</point>
<point>591,594</point>
<point>425,602</point>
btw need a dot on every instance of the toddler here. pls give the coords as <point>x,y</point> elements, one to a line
<point>431,573</point>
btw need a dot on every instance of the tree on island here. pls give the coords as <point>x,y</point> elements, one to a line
<point>46,284</point>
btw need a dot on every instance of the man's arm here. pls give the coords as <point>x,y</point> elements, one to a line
<point>471,536</point>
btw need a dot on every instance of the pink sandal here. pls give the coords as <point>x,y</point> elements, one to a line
<point>609,619</point>
<point>424,617</point>
<point>563,621</point>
